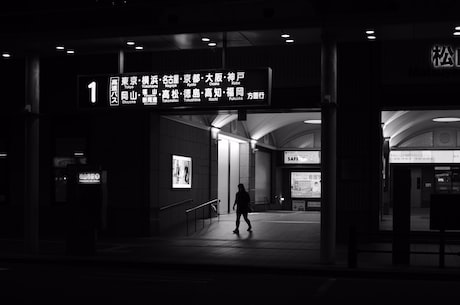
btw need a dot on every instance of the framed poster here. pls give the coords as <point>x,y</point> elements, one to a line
<point>305,184</point>
<point>181,172</point>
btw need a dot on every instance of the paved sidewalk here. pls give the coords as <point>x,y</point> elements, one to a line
<point>280,240</point>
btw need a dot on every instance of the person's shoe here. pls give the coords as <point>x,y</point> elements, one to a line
<point>236,231</point>
<point>250,229</point>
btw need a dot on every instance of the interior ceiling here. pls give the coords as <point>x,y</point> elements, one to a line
<point>398,126</point>
<point>287,130</point>
<point>234,39</point>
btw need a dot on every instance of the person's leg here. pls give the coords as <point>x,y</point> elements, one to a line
<point>238,216</point>
<point>245,216</point>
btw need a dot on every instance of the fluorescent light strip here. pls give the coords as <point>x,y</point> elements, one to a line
<point>446,119</point>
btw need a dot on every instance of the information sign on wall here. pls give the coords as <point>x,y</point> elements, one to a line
<point>189,89</point>
<point>305,184</point>
<point>302,157</point>
<point>424,156</point>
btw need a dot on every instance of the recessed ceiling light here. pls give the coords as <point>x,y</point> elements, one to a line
<point>446,119</point>
<point>370,32</point>
<point>70,51</point>
<point>139,47</point>
<point>285,35</point>
<point>6,55</point>
<point>314,121</point>
<point>130,43</point>
<point>371,37</point>
<point>212,44</point>
<point>205,39</point>
<point>457,28</point>
<point>60,48</point>
<point>289,40</point>
<point>456,33</point>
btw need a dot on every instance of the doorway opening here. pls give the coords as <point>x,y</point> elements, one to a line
<point>427,144</point>
<point>276,155</point>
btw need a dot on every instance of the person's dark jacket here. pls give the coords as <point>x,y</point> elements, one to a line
<point>243,202</point>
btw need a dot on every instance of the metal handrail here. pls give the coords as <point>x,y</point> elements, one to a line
<point>175,204</point>
<point>212,204</point>
<point>353,247</point>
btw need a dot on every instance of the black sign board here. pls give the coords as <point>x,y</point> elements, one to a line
<point>191,89</point>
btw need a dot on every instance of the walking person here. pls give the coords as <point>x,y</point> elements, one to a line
<point>242,203</point>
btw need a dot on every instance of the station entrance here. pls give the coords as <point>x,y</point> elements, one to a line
<point>426,144</point>
<point>275,155</point>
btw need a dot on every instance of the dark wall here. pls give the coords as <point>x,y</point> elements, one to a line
<point>409,80</point>
<point>176,138</point>
<point>119,143</point>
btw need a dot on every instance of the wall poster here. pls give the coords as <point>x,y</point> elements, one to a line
<point>181,172</point>
<point>305,184</point>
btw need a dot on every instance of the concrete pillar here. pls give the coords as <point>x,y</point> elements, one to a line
<point>328,147</point>
<point>31,200</point>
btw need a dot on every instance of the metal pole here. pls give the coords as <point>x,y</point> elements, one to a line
<point>186,221</point>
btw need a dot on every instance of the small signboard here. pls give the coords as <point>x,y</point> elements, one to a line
<point>302,157</point>
<point>89,178</point>
<point>298,205</point>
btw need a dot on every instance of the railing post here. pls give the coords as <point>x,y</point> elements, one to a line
<point>186,221</point>
<point>442,246</point>
<point>352,248</point>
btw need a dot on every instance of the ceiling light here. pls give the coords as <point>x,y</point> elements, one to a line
<point>139,47</point>
<point>370,32</point>
<point>130,43</point>
<point>60,48</point>
<point>457,28</point>
<point>285,35</point>
<point>289,40</point>
<point>212,44</point>
<point>70,52</point>
<point>6,55</point>
<point>371,37</point>
<point>205,39</point>
<point>446,119</point>
<point>456,33</point>
<point>313,121</point>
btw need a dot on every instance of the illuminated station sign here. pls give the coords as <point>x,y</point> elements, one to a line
<point>89,178</point>
<point>191,89</point>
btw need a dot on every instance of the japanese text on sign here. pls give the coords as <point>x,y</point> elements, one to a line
<point>445,56</point>
<point>244,87</point>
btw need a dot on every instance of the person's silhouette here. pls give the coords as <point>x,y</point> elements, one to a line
<point>242,203</point>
